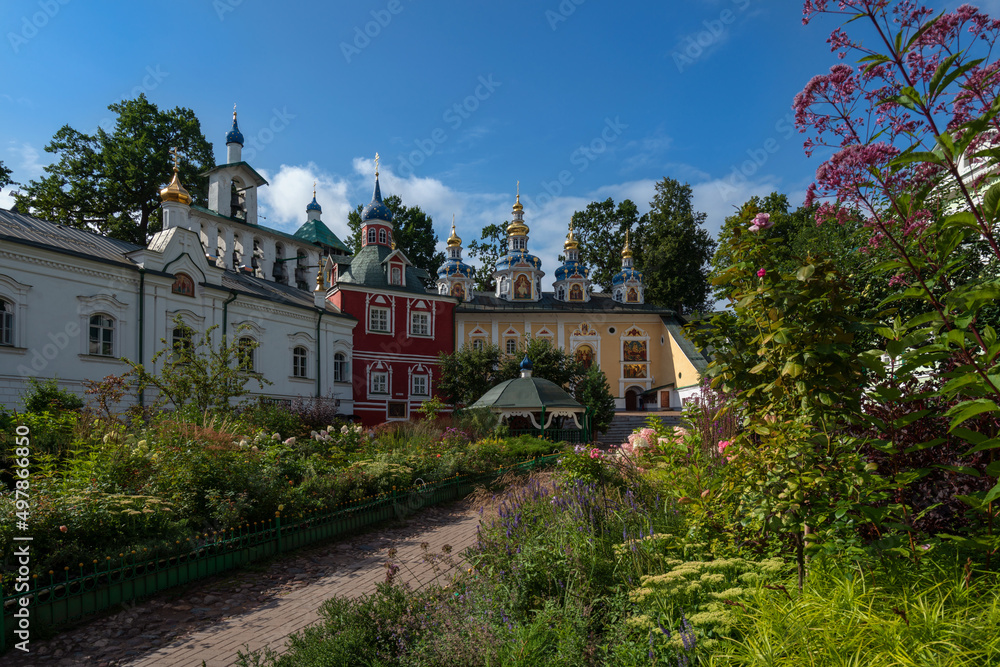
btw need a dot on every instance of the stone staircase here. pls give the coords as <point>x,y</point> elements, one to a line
<point>625,423</point>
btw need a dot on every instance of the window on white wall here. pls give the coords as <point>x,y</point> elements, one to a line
<point>420,324</point>
<point>102,335</point>
<point>419,387</point>
<point>6,323</point>
<point>245,349</point>
<point>380,382</point>
<point>340,373</point>
<point>300,360</point>
<point>378,319</point>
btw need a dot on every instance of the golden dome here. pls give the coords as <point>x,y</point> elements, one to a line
<point>626,251</point>
<point>517,228</point>
<point>453,240</point>
<point>517,203</point>
<point>571,242</point>
<point>175,192</point>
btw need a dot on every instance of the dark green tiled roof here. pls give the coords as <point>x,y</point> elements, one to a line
<point>315,231</point>
<point>367,269</point>
<point>529,393</point>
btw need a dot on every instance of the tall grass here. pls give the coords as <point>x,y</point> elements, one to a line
<point>852,615</point>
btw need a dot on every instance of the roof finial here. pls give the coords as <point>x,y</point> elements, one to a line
<point>176,159</point>
<point>452,223</point>
<point>234,110</point>
<point>519,192</point>
<point>376,165</point>
<point>314,189</point>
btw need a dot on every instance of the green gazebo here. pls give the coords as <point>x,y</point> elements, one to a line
<point>541,401</point>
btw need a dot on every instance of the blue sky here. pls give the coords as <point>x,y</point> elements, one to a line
<point>579,100</point>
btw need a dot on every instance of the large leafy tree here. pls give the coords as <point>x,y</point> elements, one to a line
<point>413,234</point>
<point>491,245</point>
<point>600,227</point>
<point>673,249</point>
<point>5,176</point>
<point>110,182</point>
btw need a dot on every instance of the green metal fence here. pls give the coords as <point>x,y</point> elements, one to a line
<point>60,598</point>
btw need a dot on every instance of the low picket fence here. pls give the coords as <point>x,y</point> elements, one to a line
<point>125,577</point>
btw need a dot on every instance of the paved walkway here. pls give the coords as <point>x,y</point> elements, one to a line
<point>252,610</point>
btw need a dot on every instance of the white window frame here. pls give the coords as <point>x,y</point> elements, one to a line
<point>384,318</point>
<point>382,238</point>
<point>478,344</point>
<point>379,380</point>
<point>422,379</point>
<point>300,362</point>
<point>341,369</point>
<point>371,235</point>
<point>109,325</point>
<point>8,322</point>
<point>250,352</point>
<point>415,326</point>
<point>511,346</point>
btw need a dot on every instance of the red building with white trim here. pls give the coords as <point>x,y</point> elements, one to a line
<point>402,326</point>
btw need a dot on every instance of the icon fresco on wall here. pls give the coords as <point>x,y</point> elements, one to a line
<point>576,292</point>
<point>458,290</point>
<point>585,355</point>
<point>633,295</point>
<point>635,350</point>
<point>635,370</point>
<point>522,287</point>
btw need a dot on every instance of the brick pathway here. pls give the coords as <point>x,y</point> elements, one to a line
<point>271,624</point>
<point>212,620</point>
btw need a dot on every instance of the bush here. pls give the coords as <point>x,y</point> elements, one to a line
<point>47,396</point>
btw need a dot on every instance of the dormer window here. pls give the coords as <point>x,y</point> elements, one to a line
<point>396,275</point>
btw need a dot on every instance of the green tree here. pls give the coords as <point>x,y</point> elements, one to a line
<point>467,373</point>
<point>413,233</point>
<point>547,360</point>
<point>673,250</point>
<point>594,392</point>
<point>199,374</point>
<point>5,176</point>
<point>111,182</point>
<point>491,245</point>
<point>600,227</point>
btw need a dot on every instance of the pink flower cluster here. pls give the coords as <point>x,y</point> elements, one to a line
<point>760,222</point>
<point>723,445</point>
<point>595,453</point>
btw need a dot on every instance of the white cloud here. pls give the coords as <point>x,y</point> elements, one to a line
<point>284,200</point>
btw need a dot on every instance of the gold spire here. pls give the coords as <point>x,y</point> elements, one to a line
<point>175,192</point>
<point>517,202</point>
<point>320,285</point>
<point>376,165</point>
<point>453,240</point>
<point>314,189</point>
<point>571,242</point>
<point>627,250</point>
<point>234,112</point>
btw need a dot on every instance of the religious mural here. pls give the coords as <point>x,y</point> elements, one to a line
<point>635,350</point>
<point>183,285</point>
<point>635,370</point>
<point>458,291</point>
<point>576,292</point>
<point>585,355</point>
<point>522,287</point>
<point>632,296</point>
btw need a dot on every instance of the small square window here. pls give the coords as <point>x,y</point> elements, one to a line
<point>420,324</point>
<point>396,410</point>
<point>378,319</point>
<point>419,385</point>
<point>478,344</point>
<point>380,383</point>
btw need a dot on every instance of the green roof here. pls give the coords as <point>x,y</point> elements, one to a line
<point>367,269</point>
<point>528,393</point>
<point>315,231</point>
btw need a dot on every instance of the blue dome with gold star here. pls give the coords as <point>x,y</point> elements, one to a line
<point>314,205</point>
<point>234,136</point>
<point>456,267</point>
<point>376,210</point>
<point>626,275</point>
<point>572,269</point>
<point>517,257</point>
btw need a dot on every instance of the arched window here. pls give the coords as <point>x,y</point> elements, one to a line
<point>181,341</point>
<point>382,237</point>
<point>340,370</point>
<point>245,349</point>
<point>371,235</point>
<point>478,344</point>
<point>511,345</point>
<point>300,358</point>
<point>102,335</point>
<point>6,323</point>
<point>561,293</point>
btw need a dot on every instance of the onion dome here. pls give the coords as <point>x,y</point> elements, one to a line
<point>314,205</point>
<point>571,242</point>
<point>175,192</point>
<point>517,226</point>
<point>234,136</point>
<point>453,240</point>
<point>626,275</point>
<point>570,269</point>
<point>526,364</point>
<point>376,210</point>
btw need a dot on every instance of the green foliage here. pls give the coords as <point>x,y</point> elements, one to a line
<point>413,234</point>
<point>467,373</point>
<point>491,246</point>
<point>548,361</point>
<point>46,395</point>
<point>198,375</point>
<point>599,227</point>
<point>673,250</point>
<point>594,392</point>
<point>431,408</point>
<point>111,181</point>
<point>5,178</point>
